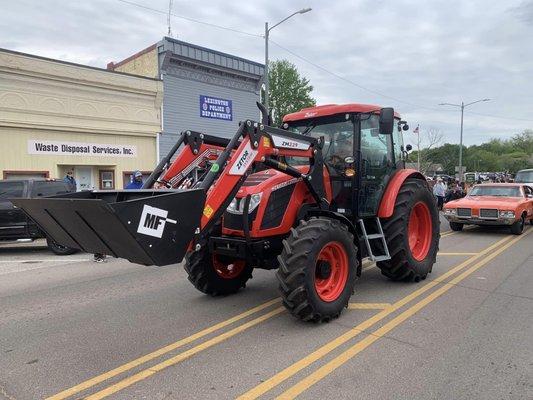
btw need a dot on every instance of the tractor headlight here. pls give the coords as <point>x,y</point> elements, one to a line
<point>450,211</point>
<point>233,206</point>
<point>237,204</point>
<point>254,202</point>
<point>506,214</point>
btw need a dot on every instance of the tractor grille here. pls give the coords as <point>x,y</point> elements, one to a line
<point>488,213</point>
<point>276,206</point>
<point>464,212</point>
<point>235,221</point>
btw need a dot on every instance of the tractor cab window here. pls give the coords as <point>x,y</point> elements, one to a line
<point>338,143</point>
<point>377,164</point>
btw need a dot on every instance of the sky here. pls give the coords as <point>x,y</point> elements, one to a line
<point>411,55</point>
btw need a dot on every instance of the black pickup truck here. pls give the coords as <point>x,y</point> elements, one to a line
<point>15,225</point>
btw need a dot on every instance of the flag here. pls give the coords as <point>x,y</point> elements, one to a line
<point>416,129</point>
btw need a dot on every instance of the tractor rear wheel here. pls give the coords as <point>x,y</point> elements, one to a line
<point>214,274</point>
<point>317,269</point>
<point>412,233</point>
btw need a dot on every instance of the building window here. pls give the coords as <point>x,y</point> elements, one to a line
<point>107,179</point>
<point>127,177</point>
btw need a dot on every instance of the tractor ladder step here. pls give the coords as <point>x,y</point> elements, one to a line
<point>374,236</point>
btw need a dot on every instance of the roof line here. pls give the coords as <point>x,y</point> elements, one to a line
<point>111,65</point>
<point>213,51</point>
<point>74,64</point>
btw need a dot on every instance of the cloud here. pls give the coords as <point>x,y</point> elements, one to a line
<point>418,53</point>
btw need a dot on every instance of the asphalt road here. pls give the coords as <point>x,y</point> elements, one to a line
<point>73,328</point>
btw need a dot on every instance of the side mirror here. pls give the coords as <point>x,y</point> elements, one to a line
<point>386,121</point>
<point>408,147</point>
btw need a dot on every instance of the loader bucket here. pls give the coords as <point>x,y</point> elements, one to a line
<point>143,226</point>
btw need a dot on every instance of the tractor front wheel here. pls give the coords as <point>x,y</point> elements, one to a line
<point>216,275</point>
<point>317,269</point>
<point>412,233</point>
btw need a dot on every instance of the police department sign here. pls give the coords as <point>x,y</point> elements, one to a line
<point>213,107</point>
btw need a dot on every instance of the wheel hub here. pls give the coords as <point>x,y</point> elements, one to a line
<point>323,269</point>
<point>331,271</point>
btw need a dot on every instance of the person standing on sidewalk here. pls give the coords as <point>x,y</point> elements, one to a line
<point>439,190</point>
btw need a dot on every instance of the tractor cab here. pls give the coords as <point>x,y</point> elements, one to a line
<point>363,147</point>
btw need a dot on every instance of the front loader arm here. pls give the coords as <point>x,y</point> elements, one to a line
<point>197,150</point>
<point>260,144</point>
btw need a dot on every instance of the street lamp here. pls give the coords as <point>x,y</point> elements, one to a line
<point>462,107</point>
<point>267,32</point>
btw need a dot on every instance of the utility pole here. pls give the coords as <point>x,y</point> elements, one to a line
<point>417,130</point>
<point>462,106</point>
<point>267,33</point>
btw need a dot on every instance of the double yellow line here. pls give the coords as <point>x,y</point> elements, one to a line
<point>167,349</point>
<point>276,379</point>
<point>486,255</point>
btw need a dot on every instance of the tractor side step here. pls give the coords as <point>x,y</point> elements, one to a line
<point>374,236</point>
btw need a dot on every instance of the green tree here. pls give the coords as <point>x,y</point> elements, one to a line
<point>289,91</point>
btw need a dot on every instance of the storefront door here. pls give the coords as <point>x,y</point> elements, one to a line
<point>84,178</point>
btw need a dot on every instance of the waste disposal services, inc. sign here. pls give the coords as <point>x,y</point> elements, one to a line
<point>61,148</point>
<point>213,107</point>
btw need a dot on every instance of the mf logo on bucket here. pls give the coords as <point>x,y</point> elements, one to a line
<point>152,222</point>
<point>243,161</point>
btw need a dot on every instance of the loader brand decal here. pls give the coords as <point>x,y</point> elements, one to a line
<point>244,160</point>
<point>61,148</point>
<point>153,220</point>
<point>280,141</point>
<point>214,107</point>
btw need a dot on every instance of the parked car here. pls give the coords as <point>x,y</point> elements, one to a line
<point>15,225</point>
<point>508,204</point>
<point>524,176</point>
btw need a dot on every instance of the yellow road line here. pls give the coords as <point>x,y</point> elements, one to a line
<point>328,368</point>
<point>293,369</point>
<point>157,353</point>
<point>447,234</point>
<point>180,357</point>
<point>368,306</point>
<point>456,254</point>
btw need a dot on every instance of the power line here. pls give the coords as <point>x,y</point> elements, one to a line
<point>312,63</point>
<point>385,95</point>
<point>131,3</point>
<point>350,81</point>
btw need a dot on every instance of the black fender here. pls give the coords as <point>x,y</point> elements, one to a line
<point>307,211</point>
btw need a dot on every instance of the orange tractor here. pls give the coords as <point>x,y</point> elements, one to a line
<point>310,199</point>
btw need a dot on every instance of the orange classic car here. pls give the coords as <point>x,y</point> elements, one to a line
<point>509,204</point>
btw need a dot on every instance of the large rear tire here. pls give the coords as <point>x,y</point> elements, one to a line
<point>412,233</point>
<point>214,274</point>
<point>317,269</point>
